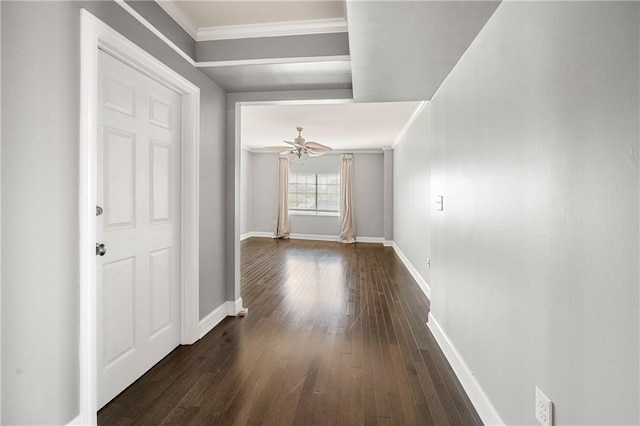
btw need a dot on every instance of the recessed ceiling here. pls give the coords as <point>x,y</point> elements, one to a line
<point>403,50</point>
<point>225,13</point>
<point>397,50</point>
<point>293,76</point>
<point>342,126</point>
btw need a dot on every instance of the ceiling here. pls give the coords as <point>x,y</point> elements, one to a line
<point>342,126</point>
<point>204,14</point>
<point>392,52</point>
<point>294,76</point>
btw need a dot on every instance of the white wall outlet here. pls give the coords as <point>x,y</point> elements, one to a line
<point>429,262</point>
<point>440,203</point>
<point>544,408</point>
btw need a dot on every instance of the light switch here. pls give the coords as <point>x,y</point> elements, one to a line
<point>440,203</point>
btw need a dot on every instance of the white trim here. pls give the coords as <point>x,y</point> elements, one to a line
<point>78,421</point>
<point>424,286</point>
<point>313,213</point>
<point>407,126</point>
<point>376,240</point>
<point>272,61</point>
<point>210,321</point>
<point>313,237</point>
<point>259,234</point>
<point>95,35</point>
<point>155,31</point>
<point>169,8</point>
<point>273,29</point>
<point>234,307</point>
<point>477,395</point>
<point>227,309</point>
<point>181,19</point>
<point>387,243</point>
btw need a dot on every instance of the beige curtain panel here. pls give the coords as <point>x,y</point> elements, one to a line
<point>282,210</point>
<point>347,225</point>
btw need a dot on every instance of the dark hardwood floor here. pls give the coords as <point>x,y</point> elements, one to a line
<point>335,335</point>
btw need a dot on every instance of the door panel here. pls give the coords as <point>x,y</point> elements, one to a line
<point>139,189</point>
<point>160,296</point>
<point>119,178</point>
<point>160,183</point>
<point>118,304</point>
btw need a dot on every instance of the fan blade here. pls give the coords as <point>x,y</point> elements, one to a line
<point>317,147</point>
<point>278,147</point>
<point>292,143</point>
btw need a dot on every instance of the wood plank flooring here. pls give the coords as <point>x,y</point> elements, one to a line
<point>335,335</point>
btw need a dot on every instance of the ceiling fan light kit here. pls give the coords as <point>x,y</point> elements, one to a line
<point>300,148</point>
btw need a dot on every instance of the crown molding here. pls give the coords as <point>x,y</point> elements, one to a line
<point>407,126</point>
<point>154,30</point>
<point>273,61</point>
<point>180,18</point>
<point>272,29</point>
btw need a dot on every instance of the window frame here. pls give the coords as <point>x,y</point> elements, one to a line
<point>316,211</point>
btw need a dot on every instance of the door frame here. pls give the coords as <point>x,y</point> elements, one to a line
<point>96,35</point>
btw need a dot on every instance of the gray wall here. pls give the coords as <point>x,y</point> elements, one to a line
<point>264,192</point>
<point>273,47</point>
<point>368,194</point>
<point>246,191</point>
<point>40,106</point>
<point>534,146</point>
<point>388,195</point>
<point>368,171</point>
<point>412,194</point>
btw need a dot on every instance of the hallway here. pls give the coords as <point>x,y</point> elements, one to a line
<point>335,335</point>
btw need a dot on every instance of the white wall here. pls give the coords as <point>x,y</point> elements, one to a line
<point>534,145</point>
<point>368,186</point>
<point>412,194</point>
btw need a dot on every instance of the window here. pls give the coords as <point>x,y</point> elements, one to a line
<point>314,192</point>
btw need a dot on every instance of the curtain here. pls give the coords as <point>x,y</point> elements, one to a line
<point>347,226</point>
<point>282,211</point>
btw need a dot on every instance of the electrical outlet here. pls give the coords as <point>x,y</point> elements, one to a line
<point>544,408</point>
<point>429,262</point>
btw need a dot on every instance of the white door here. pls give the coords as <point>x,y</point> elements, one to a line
<point>138,278</point>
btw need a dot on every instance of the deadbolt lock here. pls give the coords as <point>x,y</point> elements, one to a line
<point>100,250</point>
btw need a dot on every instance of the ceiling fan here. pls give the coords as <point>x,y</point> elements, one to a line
<point>300,148</point>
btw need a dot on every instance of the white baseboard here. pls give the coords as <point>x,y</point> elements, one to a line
<point>210,321</point>
<point>234,307</point>
<point>77,421</point>
<point>378,240</point>
<point>227,309</point>
<point>478,397</point>
<point>413,271</point>
<point>259,234</point>
<point>387,243</point>
<point>312,237</point>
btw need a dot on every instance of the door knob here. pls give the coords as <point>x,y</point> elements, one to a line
<point>100,250</point>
